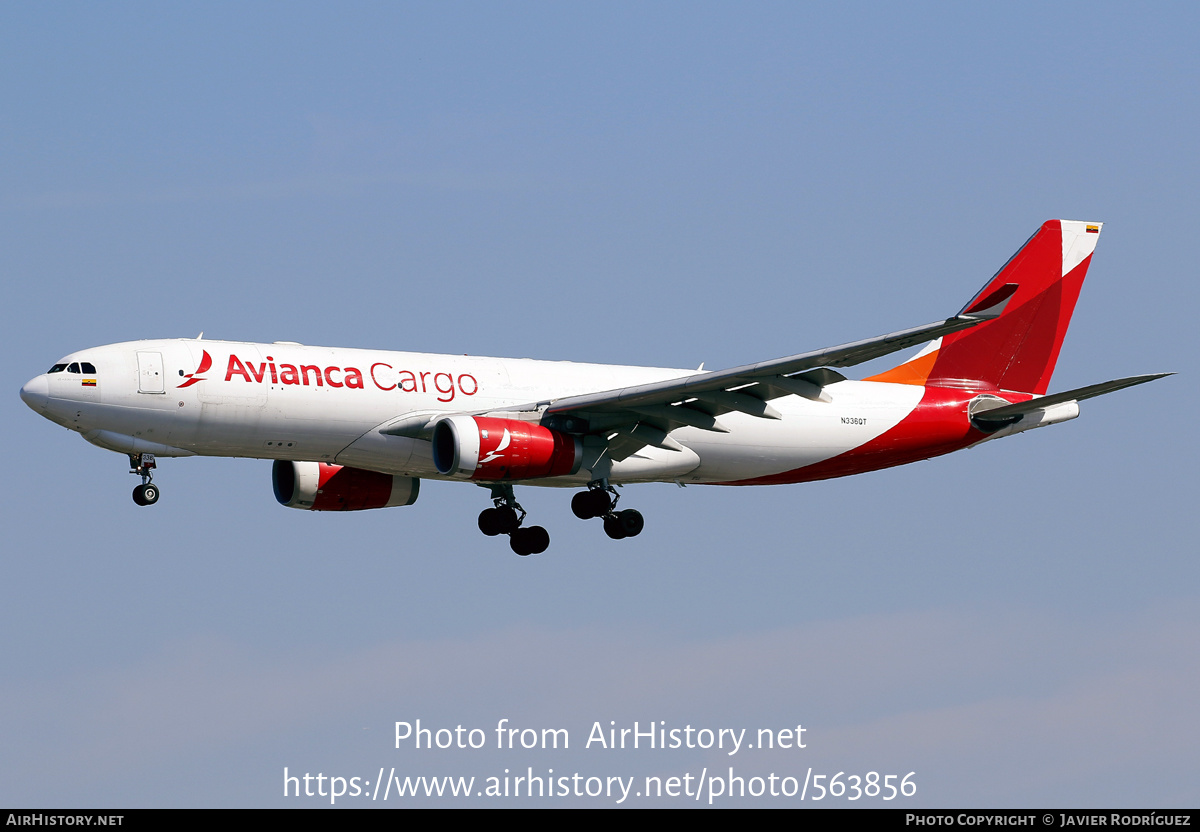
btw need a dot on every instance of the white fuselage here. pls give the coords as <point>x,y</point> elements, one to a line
<point>291,402</point>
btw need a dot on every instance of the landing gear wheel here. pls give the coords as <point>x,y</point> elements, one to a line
<point>507,519</point>
<point>581,505</point>
<point>146,495</point>
<point>593,503</point>
<point>540,539</point>
<point>614,528</point>
<point>631,522</point>
<point>531,541</point>
<point>502,520</point>
<point>489,521</point>
<point>143,465</point>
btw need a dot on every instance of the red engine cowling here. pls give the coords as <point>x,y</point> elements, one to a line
<point>483,448</point>
<point>319,486</point>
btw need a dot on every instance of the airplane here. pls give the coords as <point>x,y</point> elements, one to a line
<point>351,429</point>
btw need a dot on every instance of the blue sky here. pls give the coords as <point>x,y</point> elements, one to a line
<point>656,184</point>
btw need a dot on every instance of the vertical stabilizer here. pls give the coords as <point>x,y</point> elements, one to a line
<point>1018,350</point>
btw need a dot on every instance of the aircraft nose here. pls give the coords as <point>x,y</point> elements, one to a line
<point>36,393</point>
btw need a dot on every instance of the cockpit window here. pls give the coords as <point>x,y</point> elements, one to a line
<point>57,368</point>
<point>88,367</point>
<point>74,368</point>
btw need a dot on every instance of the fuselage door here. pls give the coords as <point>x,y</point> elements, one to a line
<point>150,372</point>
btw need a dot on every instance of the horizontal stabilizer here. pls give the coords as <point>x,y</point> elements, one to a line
<point>1006,413</point>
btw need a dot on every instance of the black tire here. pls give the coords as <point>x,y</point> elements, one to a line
<point>520,542</point>
<point>149,494</point>
<point>599,502</point>
<point>613,527</point>
<point>507,520</point>
<point>489,522</point>
<point>581,505</point>
<point>137,495</point>
<point>632,522</point>
<point>539,540</point>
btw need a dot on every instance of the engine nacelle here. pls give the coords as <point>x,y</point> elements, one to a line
<point>319,486</point>
<point>484,448</point>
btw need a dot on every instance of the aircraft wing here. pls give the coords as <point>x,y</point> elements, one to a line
<point>633,417</point>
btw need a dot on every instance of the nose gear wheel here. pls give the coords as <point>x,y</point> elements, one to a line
<point>143,465</point>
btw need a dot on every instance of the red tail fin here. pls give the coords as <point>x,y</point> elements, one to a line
<point>1018,350</point>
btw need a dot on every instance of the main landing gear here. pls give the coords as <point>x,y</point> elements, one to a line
<point>145,494</point>
<point>600,500</point>
<point>506,518</point>
<point>597,502</point>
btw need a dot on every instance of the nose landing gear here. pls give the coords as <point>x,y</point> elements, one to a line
<point>145,494</point>
<point>506,517</point>
<point>597,502</point>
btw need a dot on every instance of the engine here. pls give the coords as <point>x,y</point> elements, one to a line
<point>483,448</point>
<point>319,486</point>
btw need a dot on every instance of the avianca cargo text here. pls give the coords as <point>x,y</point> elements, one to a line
<point>383,375</point>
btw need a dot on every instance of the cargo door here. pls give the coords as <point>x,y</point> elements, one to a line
<point>150,372</point>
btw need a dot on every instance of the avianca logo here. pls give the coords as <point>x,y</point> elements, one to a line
<point>495,454</point>
<point>205,366</point>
